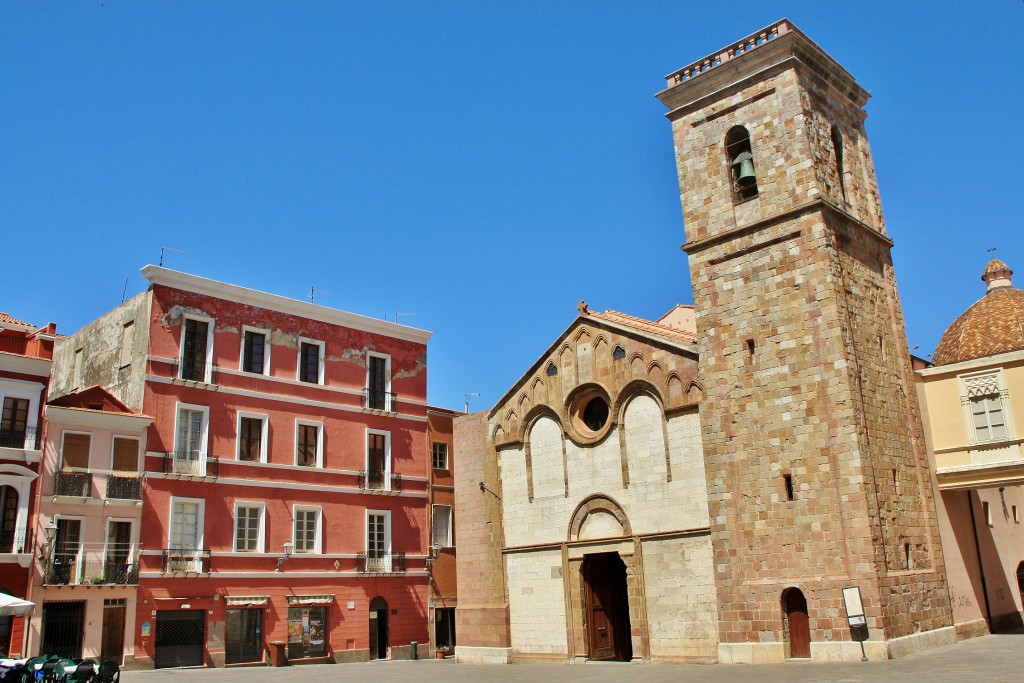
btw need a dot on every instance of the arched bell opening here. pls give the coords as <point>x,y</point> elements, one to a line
<point>741,163</point>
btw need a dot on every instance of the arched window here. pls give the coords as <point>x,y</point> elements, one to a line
<point>837,146</point>
<point>741,164</point>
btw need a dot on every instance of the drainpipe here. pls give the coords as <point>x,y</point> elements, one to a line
<point>981,564</point>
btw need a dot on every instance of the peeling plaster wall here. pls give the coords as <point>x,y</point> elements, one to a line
<point>102,361</point>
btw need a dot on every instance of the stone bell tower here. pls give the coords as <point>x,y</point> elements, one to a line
<point>817,471</point>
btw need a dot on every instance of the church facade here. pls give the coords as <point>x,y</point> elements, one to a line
<point>748,487</point>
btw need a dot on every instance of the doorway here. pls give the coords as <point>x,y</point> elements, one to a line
<point>378,628</point>
<point>795,605</point>
<point>112,638</point>
<point>243,641</point>
<point>63,627</point>
<point>180,638</point>
<point>606,607</point>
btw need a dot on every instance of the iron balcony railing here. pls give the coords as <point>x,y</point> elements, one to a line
<point>374,399</point>
<point>72,483</point>
<point>194,463</point>
<point>188,560</point>
<point>27,438</point>
<point>194,373</point>
<point>93,564</point>
<point>15,541</point>
<point>376,562</point>
<point>375,480</point>
<point>124,487</point>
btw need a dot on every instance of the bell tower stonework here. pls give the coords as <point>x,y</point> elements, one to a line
<point>817,471</point>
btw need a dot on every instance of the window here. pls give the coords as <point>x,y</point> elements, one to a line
<point>127,343</point>
<point>9,529</point>
<point>185,542</point>
<point>378,467</point>
<point>255,352</point>
<point>308,444</point>
<point>77,369</point>
<point>440,456</point>
<point>75,451</point>
<point>1014,515</point>
<point>984,398</point>
<point>378,382</point>
<point>378,540</point>
<point>787,481</point>
<point>249,527</point>
<point>986,511</point>
<point>196,349</point>
<point>190,439</point>
<point>837,146</point>
<point>311,361</point>
<point>67,543</point>
<point>441,526</point>
<point>252,437</point>
<point>307,530</point>
<point>618,354</point>
<point>741,164</point>
<point>14,423</point>
<point>126,454</point>
<point>117,555</point>
<point>307,631</point>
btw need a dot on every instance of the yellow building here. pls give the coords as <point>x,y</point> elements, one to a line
<point>972,400</point>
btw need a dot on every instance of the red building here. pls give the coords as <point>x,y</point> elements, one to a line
<point>286,488</point>
<point>25,359</point>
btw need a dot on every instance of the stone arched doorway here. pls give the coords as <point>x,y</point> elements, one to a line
<point>606,607</point>
<point>798,628</point>
<point>378,628</point>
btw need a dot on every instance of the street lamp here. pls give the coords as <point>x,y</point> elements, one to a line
<point>287,554</point>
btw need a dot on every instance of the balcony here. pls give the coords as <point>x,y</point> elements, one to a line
<point>186,560</point>
<point>374,399</point>
<point>380,563</point>
<point>26,439</point>
<point>124,487</point>
<point>375,480</point>
<point>191,464</point>
<point>93,565</point>
<point>72,483</point>
<point>15,541</point>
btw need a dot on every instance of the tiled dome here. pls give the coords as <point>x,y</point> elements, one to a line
<point>993,325</point>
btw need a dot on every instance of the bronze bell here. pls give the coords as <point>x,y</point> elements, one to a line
<point>745,177</point>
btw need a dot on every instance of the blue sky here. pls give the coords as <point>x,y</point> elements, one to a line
<point>481,165</point>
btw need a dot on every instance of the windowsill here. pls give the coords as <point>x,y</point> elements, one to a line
<point>982,446</point>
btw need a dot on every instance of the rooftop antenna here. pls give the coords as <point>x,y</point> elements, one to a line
<point>124,294</point>
<point>469,396</point>
<point>398,314</point>
<point>992,252</point>
<point>313,291</point>
<point>163,249</point>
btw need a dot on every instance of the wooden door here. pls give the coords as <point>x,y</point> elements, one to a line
<point>607,607</point>
<point>378,628</point>
<point>799,626</point>
<point>112,640</point>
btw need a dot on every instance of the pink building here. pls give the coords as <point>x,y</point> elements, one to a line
<point>25,359</point>
<point>285,495</point>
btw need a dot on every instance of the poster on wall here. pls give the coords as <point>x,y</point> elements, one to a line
<point>307,632</point>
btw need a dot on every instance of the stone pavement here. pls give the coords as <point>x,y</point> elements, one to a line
<point>993,659</point>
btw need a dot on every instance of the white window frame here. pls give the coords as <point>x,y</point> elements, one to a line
<point>26,391</point>
<point>88,463</point>
<point>319,534</point>
<point>208,366</point>
<point>20,479</point>
<point>388,398</point>
<point>447,455</point>
<point>320,364</point>
<point>387,455</point>
<point>205,410</point>
<point>264,433</point>
<point>200,520</point>
<point>132,536</point>
<point>263,332</point>
<point>319,442</point>
<point>386,564</point>
<point>261,527</point>
<point>1000,393</point>
<point>138,452</point>
<point>448,542</point>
